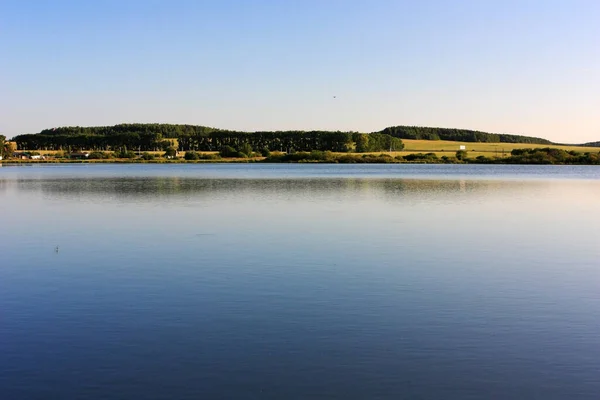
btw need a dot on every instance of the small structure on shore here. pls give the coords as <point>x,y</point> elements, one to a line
<point>79,155</point>
<point>22,155</point>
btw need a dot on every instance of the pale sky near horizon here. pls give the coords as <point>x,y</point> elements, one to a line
<point>528,67</point>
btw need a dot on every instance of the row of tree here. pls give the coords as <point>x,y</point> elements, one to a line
<point>132,140</point>
<point>592,144</point>
<point>460,135</point>
<point>154,137</point>
<point>148,137</point>
<point>176,131</point>
<point>287,141</point>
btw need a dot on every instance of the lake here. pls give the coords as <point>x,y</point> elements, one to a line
<point>254,281</point>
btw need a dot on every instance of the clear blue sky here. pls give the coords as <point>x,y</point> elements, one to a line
<point>527,67</point>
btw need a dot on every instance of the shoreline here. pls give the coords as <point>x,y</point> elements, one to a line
<point>264,161</point>
<point>524,156</point>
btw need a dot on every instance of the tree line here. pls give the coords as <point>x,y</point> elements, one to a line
<point>154,137</point>
<point>460,135</point>
<point>591,144</point>
<point>287,141</point>
<point>132,140</point>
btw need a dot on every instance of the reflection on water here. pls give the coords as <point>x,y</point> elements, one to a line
<point>172,285</point>
<point>141,189</point>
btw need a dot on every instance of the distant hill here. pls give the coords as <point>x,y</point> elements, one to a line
<point>460,135</point>
<point>591,144</point>
<point>148,137</point>
<point>154,137</point>
<point>401,131</point>
<point>165,130</point>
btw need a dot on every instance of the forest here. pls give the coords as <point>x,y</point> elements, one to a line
<point>460,135</point>
<point>196,138</point>
<point>154,137</point>
<point>592,144</point>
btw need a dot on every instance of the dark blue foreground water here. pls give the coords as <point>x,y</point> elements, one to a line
<point>299,282</point>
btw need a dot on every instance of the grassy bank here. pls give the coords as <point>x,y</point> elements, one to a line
<point>416,151</point>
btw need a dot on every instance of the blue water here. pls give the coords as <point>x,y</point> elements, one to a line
<point>299,281</point>
<point>279,171</point>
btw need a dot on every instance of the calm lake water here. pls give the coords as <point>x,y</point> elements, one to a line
<point>299,282</point>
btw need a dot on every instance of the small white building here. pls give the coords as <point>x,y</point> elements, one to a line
<point>462,147</point>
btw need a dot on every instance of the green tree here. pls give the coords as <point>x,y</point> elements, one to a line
<point>10,148</point>
<point>228,151</point>
<point>2,145</point>
<point>362,143</point>
<point>265,152</point>
<point>461,155</point>
<point>170,152</point>
<point>246,150</point>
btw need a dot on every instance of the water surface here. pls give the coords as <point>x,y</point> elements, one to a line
<point>299,281</point>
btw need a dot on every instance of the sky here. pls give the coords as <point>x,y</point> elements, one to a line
<point>528,67</point>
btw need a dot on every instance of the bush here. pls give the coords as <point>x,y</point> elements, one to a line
<point>124,153</point>
<point>275,156</point>
<point>265,152</point>
<point>191,155</point>
<point>148,156</point>
<point>461,155</point>
<point>421,157</point>
<point>483,160</point>
<point>245,150</point>
<point>317,155</point>
<point>228,152</point>
<point>99,155</point>
<point>349,159</point>
<point>367,159</point>
<point>209,156</point>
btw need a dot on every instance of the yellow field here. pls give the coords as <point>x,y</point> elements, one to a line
<point>435,146</point>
